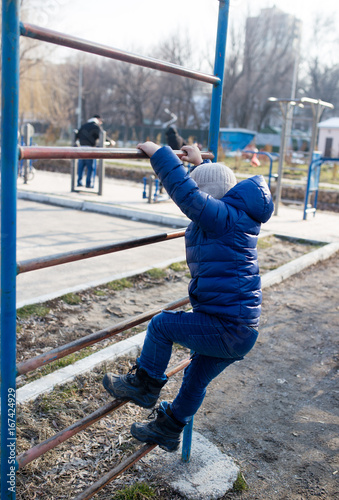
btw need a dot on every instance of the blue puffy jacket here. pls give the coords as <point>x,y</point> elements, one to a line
<point>221,240</point>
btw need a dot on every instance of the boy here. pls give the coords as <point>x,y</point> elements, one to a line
<point>224,291</point>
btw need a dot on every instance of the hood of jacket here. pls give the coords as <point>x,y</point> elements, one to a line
<point>253,197</point>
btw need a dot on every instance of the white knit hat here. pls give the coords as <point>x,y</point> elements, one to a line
<point>214,179</point>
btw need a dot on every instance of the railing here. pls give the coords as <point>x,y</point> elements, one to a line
<point>40,152</point>
<point>11,31</point>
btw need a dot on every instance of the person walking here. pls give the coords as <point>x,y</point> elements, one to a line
<point>88,135</point>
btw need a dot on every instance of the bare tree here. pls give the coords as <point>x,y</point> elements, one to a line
<point>321,66</point>
<point>234,71</point>
<point>260,60</point>
<point>269,55</point>
<point>177,93</point>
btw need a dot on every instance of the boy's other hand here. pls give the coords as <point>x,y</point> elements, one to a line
<point>149,148</point>
<point>192,155</point>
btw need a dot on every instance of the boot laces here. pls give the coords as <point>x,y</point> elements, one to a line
<point>130,373</point>
<point>134,367</point>
<point>154,413</point>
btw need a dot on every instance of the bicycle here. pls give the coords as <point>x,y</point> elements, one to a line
<point>26,171</point>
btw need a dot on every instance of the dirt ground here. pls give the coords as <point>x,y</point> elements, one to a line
<point>275,413</point>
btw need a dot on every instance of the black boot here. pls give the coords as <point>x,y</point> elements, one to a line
<point>139,386</point>
<point>165,430</point>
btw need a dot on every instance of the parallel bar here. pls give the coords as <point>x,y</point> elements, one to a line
<point>73,42</point>
<point>63,258</point>
<point>33,453</point>
<point>93,338</point>
<point>8,195</point>
<point>46,152</point>
<point>219,67</point>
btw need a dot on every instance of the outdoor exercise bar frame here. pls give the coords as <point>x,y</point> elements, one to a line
<point>11,31</point>
<point>312,186</point>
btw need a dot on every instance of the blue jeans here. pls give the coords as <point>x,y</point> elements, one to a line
<point>216,343</point>
<point>88,164</point>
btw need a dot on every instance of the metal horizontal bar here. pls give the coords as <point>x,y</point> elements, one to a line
<point>28,456</point>
<point>55,37</point>
<point>63,258</point>
<point>112,474</point>
<point>62,351</point>
<point>48,152</point>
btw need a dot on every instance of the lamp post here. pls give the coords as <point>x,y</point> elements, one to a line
<point>318,107</point>
<point>79,109</point>
<point>286,106</point>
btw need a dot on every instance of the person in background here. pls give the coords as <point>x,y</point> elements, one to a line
<point>225,290</point>
<point>88,135</point>
<point>174,140</point>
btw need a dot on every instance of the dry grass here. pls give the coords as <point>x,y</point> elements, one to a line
<point>74,465</point>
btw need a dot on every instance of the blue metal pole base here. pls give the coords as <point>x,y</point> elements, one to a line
<point>187,442</point>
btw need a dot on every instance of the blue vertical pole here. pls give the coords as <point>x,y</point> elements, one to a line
<point>9,165</point>
<point>187,442</point>
<point>187,439</point>
<point>219,66</point>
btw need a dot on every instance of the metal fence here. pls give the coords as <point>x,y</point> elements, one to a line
<point>12,29</point>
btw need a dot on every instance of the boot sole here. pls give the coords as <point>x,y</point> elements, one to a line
<point>108,387</point>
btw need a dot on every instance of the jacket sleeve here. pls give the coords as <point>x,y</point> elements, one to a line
<point>95,133</point>
<point>210,214</point>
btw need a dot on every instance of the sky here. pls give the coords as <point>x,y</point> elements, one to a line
<point>138,25</point>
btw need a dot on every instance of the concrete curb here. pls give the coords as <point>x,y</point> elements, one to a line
<point>46,384</point>
<point>50,199</point>
<point>130,213</point>
<point>299,264</point>
<point>107,209</point>
<point>130,346</point>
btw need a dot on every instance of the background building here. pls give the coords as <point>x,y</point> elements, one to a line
<point>328,141</point>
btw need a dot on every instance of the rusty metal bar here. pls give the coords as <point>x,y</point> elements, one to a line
<point>63,258</point>
<point>55,37</point>
<point>50,152</point>
<point>93,338</point>
<point>50,443</point>
<point>112,474</point>
<point>33,453</point>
